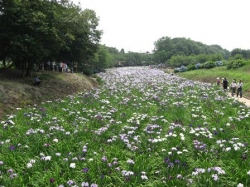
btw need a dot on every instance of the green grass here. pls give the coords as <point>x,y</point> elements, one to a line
<point>141,127</point>
<point>210,75</point>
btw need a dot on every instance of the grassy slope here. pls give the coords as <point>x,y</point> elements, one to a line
<point>210,75</point>
<point>17,92</point>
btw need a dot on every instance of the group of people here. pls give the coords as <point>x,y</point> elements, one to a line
<point>68,67</point>
<point>235,87</point>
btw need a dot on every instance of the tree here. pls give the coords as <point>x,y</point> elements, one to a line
<point>90,36</point>
<point>166,48</point>
<point>40,30</point>
<point>7,19</point>
<point>122,51</point>
<point>245,53</point>
<point>101,59</point>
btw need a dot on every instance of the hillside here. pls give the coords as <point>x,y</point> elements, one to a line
<point>17,92</point>
<point>210,75</point>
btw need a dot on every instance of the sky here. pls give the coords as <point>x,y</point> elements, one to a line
<point>135,25</point>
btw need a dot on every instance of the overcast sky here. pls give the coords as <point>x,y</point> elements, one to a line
<point>135,25</point>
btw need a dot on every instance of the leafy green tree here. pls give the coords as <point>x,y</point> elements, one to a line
<point>216,57</point>
<point>164,49</point>
<point>8,17</point>
<point>40,30</point>
<point>30,29</point>
<point>101,61</point>
<point>245,53</point>
<point>202,58</point>
<point>90,36</point>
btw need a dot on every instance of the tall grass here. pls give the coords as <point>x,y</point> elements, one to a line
<point>142,127</point>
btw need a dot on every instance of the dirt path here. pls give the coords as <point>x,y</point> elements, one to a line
<point>243,100</point>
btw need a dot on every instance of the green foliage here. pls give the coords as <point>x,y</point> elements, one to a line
<point>191,67</point>
<point>216,57</point>
<point>35,31</point>
<point>180,69</point>
<point>237,56</point>
<point>218,63</point>
<point>236,63</point>
<point>199,66</point>
<point>202,58</point>
<point>243,53</point>
<point>101,59</point>
<point>153,133</point>
<point>210,75</point>
<point>209,65</point>
<point>230,65</point>
<point>179,60</point>
<point>115,58</point>
<point>166,48</point>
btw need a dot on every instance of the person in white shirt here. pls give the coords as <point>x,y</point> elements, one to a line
<point>233,87</point>
<point>239,89</point>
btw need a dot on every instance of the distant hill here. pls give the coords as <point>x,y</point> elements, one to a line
<point>167,47</point>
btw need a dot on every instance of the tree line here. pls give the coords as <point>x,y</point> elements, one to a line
<point>42,30</point>
<point>57,30</point>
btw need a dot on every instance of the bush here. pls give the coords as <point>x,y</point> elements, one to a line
<point>218,63</point>
<point>225,62</point>
<point>88,71</point>
<point>191,67</point>
<point>236,63</point>
<point>230,65</point>
<point>209,65</point>
<point>176,70</point>
<point>199,66</point>
<point>180,69</point>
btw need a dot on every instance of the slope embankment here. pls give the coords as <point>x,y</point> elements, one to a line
<point>17,92</point>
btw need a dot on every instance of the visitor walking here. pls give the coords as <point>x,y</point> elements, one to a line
<point>225,84</point>
<point>239,89</point>
<point>218,81</point>
<point>233,87</point>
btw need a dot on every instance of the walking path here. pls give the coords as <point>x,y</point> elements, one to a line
<point>243,100</point>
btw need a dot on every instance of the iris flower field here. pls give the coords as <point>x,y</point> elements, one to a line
<point>141,127</point>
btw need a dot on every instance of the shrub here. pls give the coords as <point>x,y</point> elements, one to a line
<point>183,68</point>
<point>229,64</point>
<point>225,62</point>
<point>87,71</point>
<point>176,70</point>
<point>191,67</point>
<point>236,63</point>
<point>218,63</point>
<point>180,69</point>
<point>199,66</point>
<point>209,64</point>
